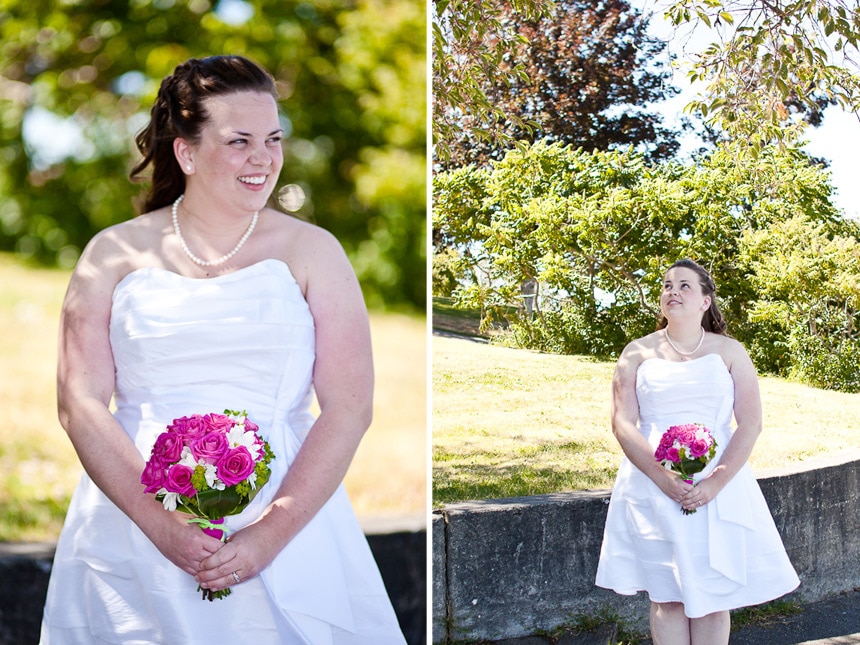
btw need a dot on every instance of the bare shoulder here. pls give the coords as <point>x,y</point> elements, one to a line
<point>309,250</point>
<point>117,250</point>
<point>734,354</point>
<point>635,353</point>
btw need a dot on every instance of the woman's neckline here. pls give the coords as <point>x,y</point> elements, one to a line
<point>205,279</point>
<point>688,360</point>
<point>235,274</point>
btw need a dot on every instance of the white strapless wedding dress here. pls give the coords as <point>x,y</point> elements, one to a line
<point>243,340</point>
<point>726,555</point>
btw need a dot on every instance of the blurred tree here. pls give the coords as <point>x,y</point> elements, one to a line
<point>77,79</point>
<point>590,70</point>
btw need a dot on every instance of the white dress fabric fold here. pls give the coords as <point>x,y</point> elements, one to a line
<point>726,555</point>
<point>182,346</point>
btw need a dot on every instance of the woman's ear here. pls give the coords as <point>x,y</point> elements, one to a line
<point>184,155</point>
<point>707,303</point>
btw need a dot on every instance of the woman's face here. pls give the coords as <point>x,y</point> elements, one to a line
<point>682,294</point>
<point>239,156</point>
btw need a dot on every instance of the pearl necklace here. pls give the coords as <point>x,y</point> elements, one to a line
<point>194,258</point>
<point>685,353</point>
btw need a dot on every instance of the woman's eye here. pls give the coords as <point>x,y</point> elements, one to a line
<point>238,141</point>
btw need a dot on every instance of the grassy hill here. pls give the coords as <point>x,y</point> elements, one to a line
<point>510,422</point>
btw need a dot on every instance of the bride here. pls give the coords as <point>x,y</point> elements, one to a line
<point>695,567</point>
<point>211,300</point>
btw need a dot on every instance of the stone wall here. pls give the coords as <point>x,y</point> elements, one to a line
<point>512,567</point>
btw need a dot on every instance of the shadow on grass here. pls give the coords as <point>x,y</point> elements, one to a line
<point>492,481</point>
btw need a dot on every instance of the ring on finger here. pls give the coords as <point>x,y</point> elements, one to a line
<point>236,577</point>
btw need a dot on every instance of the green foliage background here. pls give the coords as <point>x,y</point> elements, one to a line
<point>352,79</point>
<point>596,231</point>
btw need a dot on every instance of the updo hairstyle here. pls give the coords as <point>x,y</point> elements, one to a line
<point>179,111</point>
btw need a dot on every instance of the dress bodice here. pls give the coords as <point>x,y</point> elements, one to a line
<point>243,340</point>
<point>674,393</point>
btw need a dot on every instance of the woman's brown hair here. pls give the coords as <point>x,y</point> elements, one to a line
<point>179,111</point>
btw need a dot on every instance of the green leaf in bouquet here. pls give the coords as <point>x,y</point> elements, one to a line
<point>214,504</point>
<point>187,505</point>
<point>692,466</point>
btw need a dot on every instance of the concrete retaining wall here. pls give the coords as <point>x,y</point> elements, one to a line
<point>509,568</point>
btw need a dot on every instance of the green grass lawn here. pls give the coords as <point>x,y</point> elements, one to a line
<point>39,468</point>
<point>510,422</point>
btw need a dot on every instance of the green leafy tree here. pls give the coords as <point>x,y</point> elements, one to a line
<point>471,40</point>
<point>597,230</point>
<point>352,80</point>
<point>771,63</point>
<point>807,277</point>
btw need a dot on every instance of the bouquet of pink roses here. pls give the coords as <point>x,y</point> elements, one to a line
<point>686,450</point>
<point>210,466</point>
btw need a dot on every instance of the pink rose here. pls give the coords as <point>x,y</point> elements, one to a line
<point>179,480</point>
<point>235,466</point>
<point>189,427</point>
<point>168,447</point>
<point>219,423</point>
<point>152,476</point>
<point>673,455</point>
<point>660,454</point>
<point>699,447</point>
<point>687,436</point>
<point>210,447</point>
<point>666,440</point>
<point>250,426</point>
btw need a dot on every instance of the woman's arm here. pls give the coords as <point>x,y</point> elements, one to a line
<point>343,381</point>
<point>85,382</point>
<point>625,416</point>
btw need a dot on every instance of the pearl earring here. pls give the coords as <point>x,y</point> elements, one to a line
<point>188,168</point>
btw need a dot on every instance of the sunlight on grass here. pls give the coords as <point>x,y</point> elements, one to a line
<point>39,469</point>
<point>510,422</point>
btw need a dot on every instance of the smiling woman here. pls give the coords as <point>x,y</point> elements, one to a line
<point>211,300</point>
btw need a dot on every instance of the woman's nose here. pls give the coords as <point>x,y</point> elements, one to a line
<point>261,157</point>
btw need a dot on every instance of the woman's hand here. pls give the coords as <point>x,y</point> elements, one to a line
<point>700,494</point>
<point>185,545</point>
<point>673,486</point>
<point>247,552</point>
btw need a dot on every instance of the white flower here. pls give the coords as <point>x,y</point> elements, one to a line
<point>170,499</point>
<point>211,476</point>
<point>252,480</point>
<point>239,437</point>
<point>187,459</point>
